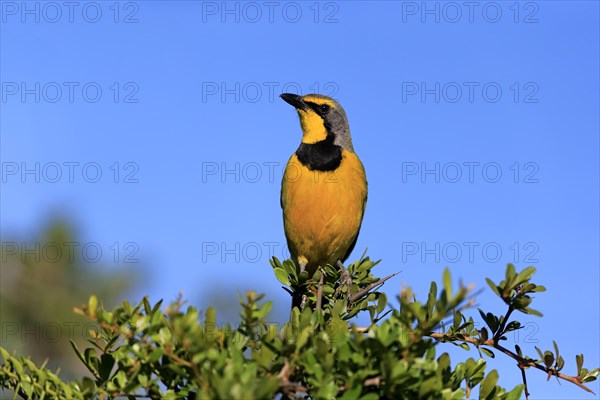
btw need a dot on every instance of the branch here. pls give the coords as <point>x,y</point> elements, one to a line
<point>289,388</point>
<point>499,333</point>
<point>194,367</point>
<point>522,368</point>
<point>285,371</point>
<point>366,290</point>
<point>523,362</point>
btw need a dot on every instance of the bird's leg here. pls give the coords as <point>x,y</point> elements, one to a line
<point>302,263</point>
<point>345,279</point>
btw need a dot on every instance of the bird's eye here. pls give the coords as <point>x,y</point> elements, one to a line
<point>324,108</point>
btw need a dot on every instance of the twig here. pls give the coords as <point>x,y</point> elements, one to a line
<point>500,330</point>
<point>497,337</point>
<point>303,302</point>
<point>376,381</point>
<point>522,367</point>
<point>528,363</point>
<point>288,387</point>
<point>320,289</point>
<point>288,290</point>
<point>285,371</point>
<point>366,290</point>
<point>193,366</point>
<point>522,361</point>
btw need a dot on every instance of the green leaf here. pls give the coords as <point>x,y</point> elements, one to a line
<point>483,334</point>
<point>493,286</point>
<point>328,290</point>
<point>282,276</point>
<point>525,275</point>
<point>488,386</point>
<point>88,385</point>
<point>479,367</point>
<point>303,277</point>
<point>539,288</point>
<point>560,363</point>
<point>289,267</point>
<point>428,386</point>
<point>372,312</point>
<point>107,362</point>
<point>591,376</point>
<point>317,275</point>
<point>157,306</point>
<point>76,349</point>
<point>531,311</point>
<point>555,349</point>
<point>365,266</point>
<point>579,361</point>
<point>447,283</point>
<point>431,298</point>
<point>490,319</point>
<point>548,359</point>
<point>519,351</point>
<point>515,394</point>
<point>487,352</point>
<point>522,302</point>
<point>457,320</point>
<point>352,394</point>
<point>354,311</point>
<point>512,326</point>
<point>510,274</point>
<point>338,308</point>
<point>275,263</point>
<point>121,379</point>
<point>381,303</point>
<point>303,338</point>
<point>539,352</point>
<point>147,306</point>
<point>92,305</point>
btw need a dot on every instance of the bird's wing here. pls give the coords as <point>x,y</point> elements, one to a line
<point>364,206</point>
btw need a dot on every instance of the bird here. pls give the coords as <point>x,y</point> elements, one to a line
<point>324,186</point>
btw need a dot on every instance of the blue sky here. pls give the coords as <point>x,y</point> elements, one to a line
<point>477,125</point>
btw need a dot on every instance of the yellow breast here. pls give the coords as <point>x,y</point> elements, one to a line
<point>323,210</point>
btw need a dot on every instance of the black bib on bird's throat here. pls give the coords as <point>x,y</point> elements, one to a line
<point>320,156</point>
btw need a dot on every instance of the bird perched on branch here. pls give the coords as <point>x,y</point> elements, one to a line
<point>324,187</point>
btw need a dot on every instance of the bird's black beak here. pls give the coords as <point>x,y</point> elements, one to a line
<point>295,101</point>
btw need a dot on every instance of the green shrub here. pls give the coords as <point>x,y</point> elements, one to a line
<point>143,351</point>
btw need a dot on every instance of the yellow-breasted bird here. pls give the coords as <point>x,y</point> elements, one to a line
<point>324,187</point>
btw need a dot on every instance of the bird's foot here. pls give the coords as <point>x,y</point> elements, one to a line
<point>302,263</point>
